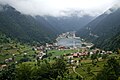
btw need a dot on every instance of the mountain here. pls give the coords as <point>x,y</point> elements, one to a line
<point>42,20</point>
<point>113,43</point>
<point>24,27</point>
<point>68,23</point>
<point>103,29</point>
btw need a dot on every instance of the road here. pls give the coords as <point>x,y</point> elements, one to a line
<point>74,69</point>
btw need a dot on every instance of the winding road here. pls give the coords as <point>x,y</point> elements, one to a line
<point>74,69</point>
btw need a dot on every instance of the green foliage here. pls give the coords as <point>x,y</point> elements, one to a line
<point>4,39</point>
<point>111,70</point>
<point>8,73</point>
<point>89,70</point>
<point>107,29</point>
<point>32,71</point>
<point>23,27</point>
<point>24,72</point>
<point>118,51</point>
<point>104,56</point>
<point>94,56</point>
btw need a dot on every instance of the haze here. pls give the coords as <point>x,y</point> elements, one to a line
<point>61,7</point>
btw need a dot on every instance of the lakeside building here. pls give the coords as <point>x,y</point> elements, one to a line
<point>69,40</point>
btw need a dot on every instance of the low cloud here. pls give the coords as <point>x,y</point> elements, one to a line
<point>61,7</point>
<point>117,5</point>
<point>1,8</point>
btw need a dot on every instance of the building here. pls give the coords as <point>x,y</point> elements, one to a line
<point>69,40</point>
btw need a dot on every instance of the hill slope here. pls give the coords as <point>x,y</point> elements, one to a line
<point>24,27</point>
<point>68,23</point>
<point>102,30</point>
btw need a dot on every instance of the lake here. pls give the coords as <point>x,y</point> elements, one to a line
<point>69,42</point>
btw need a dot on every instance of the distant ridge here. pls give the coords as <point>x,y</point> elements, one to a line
<point>24,27</point>
<point>68,23</point>
<point>103,30</point>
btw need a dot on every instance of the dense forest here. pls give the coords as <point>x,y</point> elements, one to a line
<point>103,31</point>
<point>24,27</point>
<point>68,23</point>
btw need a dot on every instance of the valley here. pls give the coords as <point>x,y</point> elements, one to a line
<point>81,62</point>
<point>69,45</point>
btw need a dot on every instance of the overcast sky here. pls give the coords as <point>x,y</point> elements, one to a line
<point>61,7</point>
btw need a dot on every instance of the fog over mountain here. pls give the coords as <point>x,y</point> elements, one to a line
<point>66,23</point>
<point>64,15</point>
<point>104,31</point>
<point>57,15</point>
<point>60,7</point>
<point>24,27</point>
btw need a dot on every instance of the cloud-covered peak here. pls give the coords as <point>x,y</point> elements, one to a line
<point>60,7</point>
<point>113,8</point>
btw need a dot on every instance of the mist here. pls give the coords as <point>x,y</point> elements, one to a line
<point>61,7</point>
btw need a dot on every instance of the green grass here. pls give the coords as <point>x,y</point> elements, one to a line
<point>82,70</point>
<point>61,52</point>
<point>14,48</point>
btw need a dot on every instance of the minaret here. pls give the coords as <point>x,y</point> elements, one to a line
<point>74,35</point>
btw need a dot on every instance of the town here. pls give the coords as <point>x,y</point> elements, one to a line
<point>80,56</point>
<point>72,51</point>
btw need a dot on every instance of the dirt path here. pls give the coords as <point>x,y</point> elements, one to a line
<point>74,67</point>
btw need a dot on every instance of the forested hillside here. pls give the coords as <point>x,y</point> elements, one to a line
<point>24,27</point>
<point>103,30</point>
<point>68,23</point>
